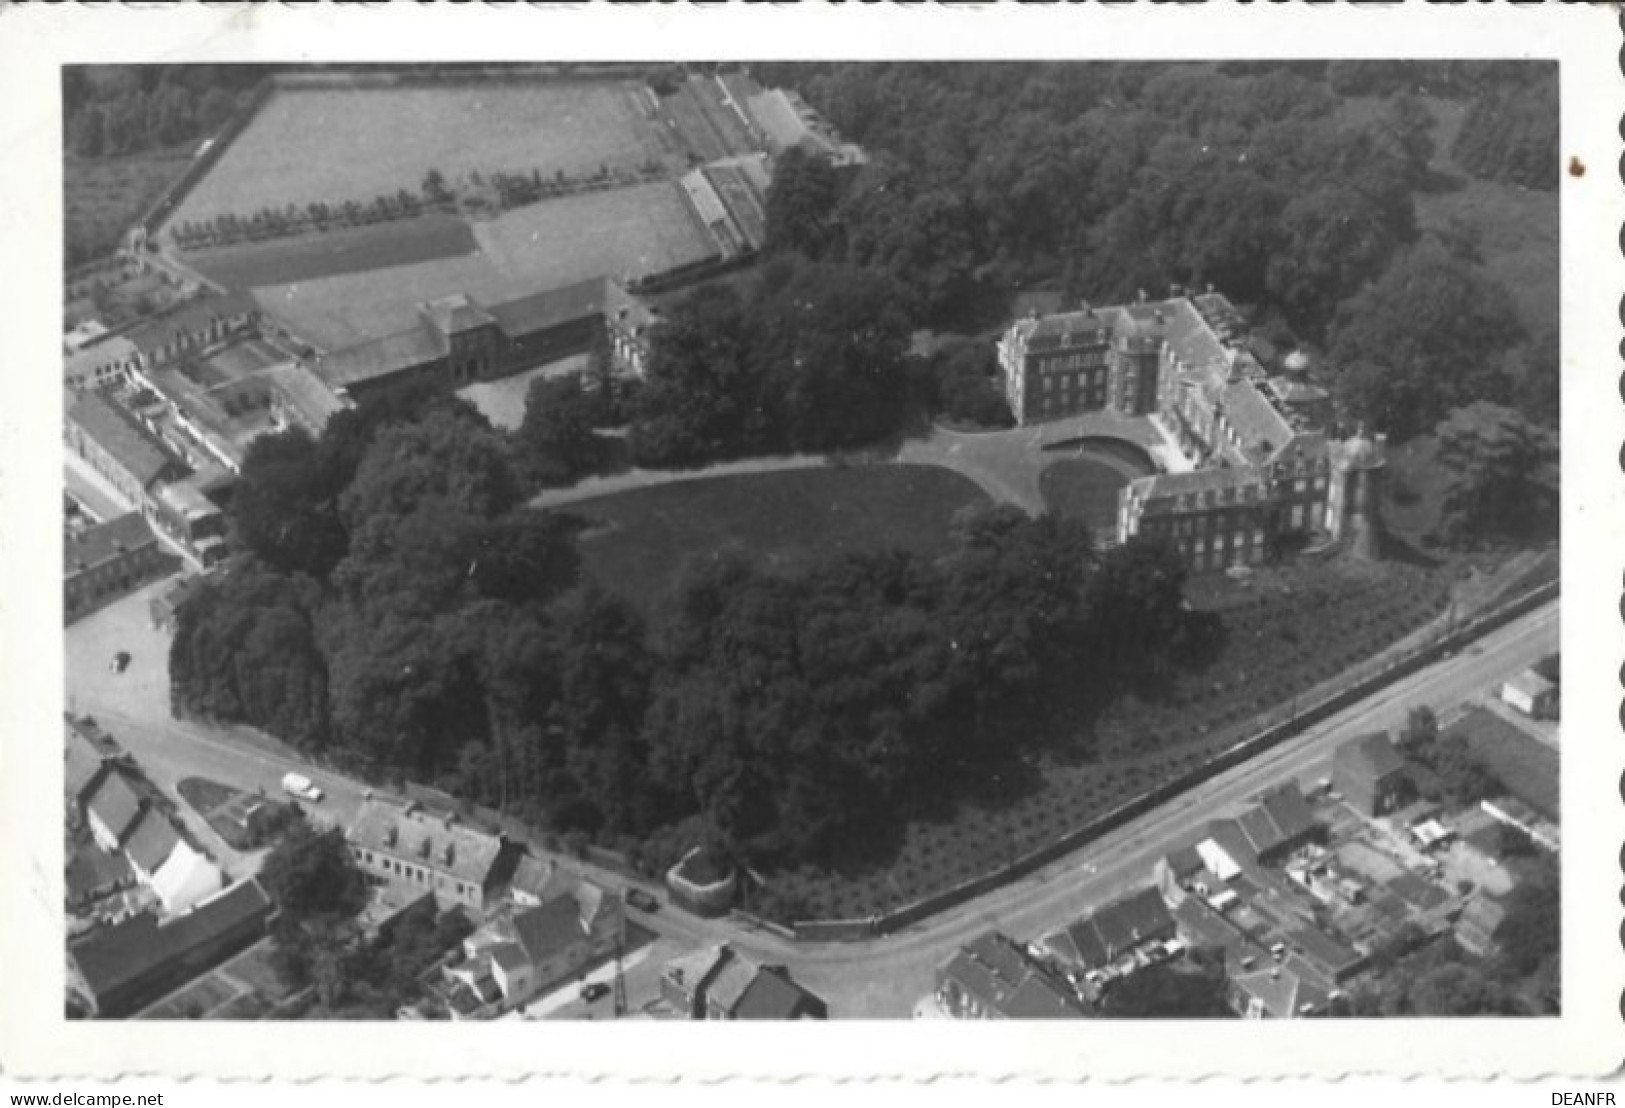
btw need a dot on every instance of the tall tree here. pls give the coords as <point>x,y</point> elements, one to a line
<point>1497,480</point>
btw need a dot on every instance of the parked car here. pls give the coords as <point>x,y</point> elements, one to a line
<point>592,990</point>
<point>642,901</point>
<point>121,662</point>
<point>297,784</point>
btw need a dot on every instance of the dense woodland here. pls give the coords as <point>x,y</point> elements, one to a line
<point>394,611</point>
<point>113,110</point>
<point>1111,179</point>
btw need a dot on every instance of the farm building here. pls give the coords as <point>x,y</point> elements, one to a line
<point>122,967</point>
<point>192,329</point>
<point>456,340</point>
<point>118,447</point>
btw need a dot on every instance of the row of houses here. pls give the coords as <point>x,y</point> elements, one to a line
<point>108,560</point>
<point>128,818</point>
<point>1295,910</point>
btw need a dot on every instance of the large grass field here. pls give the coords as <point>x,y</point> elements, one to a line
<point>617,232</point>
<point>333,253</point>
<point>643,541</point>
<point>333,145</point>
<point>1289,630</point>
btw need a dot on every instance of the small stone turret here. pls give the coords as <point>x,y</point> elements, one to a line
<point>1354,503</point>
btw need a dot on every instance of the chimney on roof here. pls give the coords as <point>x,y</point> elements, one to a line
<point>392,836</point>
<point>451,853</point>
<point>425,847</point>
<point>1160,316</point>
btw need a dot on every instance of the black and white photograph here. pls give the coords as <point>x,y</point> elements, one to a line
<point>737,536</point>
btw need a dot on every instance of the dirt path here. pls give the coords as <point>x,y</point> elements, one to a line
<point>648,478</point>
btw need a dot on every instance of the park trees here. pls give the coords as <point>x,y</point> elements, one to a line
<point>1498,484</point>
<point>556,442</point>
<point>1427,335</point>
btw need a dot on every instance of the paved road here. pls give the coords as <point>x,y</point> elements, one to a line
<point>879,978</point>
<point>134,708</point>
<point>884,977</point>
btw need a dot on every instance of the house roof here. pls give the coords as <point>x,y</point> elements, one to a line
<point>194,316</point>
<point>305,392</point>
<point>1290,810</point>
<point>456,313</point>
<point>87,359</point>
<point>994,969</point>
<point>691,971</point>
<point>1263,431</point>
<point>83,763</point>
<point>106,542</point>
<point>441,843</point>
<point>116,804</point>
<point>1323,952</point>
<point>729,982</point>
<point>542,311</point>
<point>1369,757</point>
<point>381,357</point>
<point>153,842</point>
<point>1531,684</point>
<point>771,995</point>
<point>1191,340</point>
<point>1159,490</point>
<point>509,956</point>
<point>132,446</point>
<point>549,928</point>
<point>114,957</point>
<point>1185,861</point>
<point>1105,935</point>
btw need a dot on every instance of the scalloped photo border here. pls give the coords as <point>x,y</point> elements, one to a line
<point>35,1039</point>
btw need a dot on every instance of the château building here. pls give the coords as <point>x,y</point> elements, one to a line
<point>1255,464</point>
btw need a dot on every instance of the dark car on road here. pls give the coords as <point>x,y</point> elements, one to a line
<point>592,990</point>
<point>642,901</point>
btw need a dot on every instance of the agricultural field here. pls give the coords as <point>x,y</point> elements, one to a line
<point>336,252</point>
<point>641,542</point>
<point>548,245</point>
<point>623,232</point>
<point>102,197</point>
<point>1289,631</point>
<point>333,145</point>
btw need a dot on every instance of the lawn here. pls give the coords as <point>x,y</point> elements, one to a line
<point>335,252</point>
<point>333,145</point>
<point>204,795</point>
<point>1289,630</point>
<point>102,197</point>
<point>641,542</point>
<point>1086,487</point>
<point>1526,767</point>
